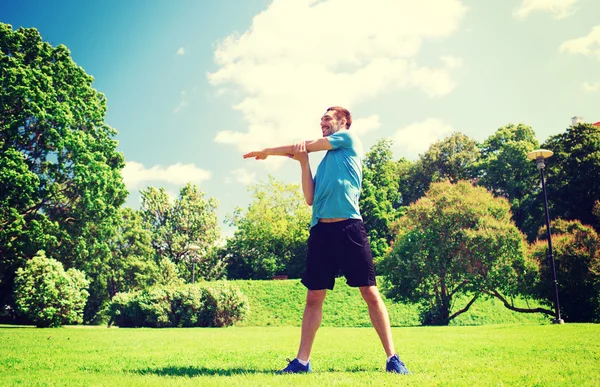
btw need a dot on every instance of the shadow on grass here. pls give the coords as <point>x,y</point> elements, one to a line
<point>199,371</point>
<point>191,372</point>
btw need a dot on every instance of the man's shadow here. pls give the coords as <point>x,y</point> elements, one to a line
<point>204,371</point>
<point>200,371</point>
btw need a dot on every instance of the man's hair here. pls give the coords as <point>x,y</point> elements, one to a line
<point>340,112</point>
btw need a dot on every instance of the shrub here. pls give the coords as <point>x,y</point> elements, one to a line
<point>224,304</point>
<point>49,296</point>
<point>215,304</point>
<point>577,258</point>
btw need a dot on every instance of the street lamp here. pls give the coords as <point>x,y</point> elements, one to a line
<point>539,156</point>
<point>194,249</point>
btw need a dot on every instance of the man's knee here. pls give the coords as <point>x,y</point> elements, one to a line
<point>315,298</point>
<point>371,295</point>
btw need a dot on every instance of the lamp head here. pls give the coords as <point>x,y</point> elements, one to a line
<point>539,155</point>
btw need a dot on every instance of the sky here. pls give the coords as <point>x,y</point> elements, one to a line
<point>191,85</point>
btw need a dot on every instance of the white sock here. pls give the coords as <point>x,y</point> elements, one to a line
<point>390,357</point>
<point>304,363</point>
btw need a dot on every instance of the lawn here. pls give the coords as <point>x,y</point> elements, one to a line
<point>527,355</point>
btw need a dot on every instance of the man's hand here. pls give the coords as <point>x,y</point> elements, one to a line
<point>258,155</point>
<point>299,152</point>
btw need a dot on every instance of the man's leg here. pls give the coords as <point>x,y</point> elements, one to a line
<point>379,317</point>
<point>313,311</point>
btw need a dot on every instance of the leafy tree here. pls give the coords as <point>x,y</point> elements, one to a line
<point>412,181</point>
<point>60,180</point>
<point>576,249</point>
<point>49,296</point>
<point>457,240</point>
<point>380,197</point>
<point>450,159</point>
<point>132,264</point>
<point>572,174</point>
<point>504,169</point>
<point>271,234</point>
<point>183,230</point>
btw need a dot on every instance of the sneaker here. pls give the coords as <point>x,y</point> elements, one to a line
<point>395,365</point>
<point>294,367</point>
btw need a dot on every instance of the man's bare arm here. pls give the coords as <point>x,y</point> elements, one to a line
<point>321,144</point>
<point>308,184</point>
<point>287,150</point>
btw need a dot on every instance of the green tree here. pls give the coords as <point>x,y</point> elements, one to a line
<point>573,182</point>
<point>380,197</point>
<point>450,159</point>
<point>412,181</point>
<point>184,230</point>
<point>576,250</point>
<point>504,169</point>
<point>132,264</point>
<point>457,240</point>
<point>60,180</point>
<point>49,296</point>
<point>271,234</point>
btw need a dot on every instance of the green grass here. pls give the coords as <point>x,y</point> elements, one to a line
<point>281,303</point>
<point>528,355</point>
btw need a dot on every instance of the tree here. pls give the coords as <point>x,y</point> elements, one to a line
<point>132,265</point>
<point>61,183</point>
<point>412,181</point>
<point>450,159</point>
<point>49,296</point>
<point>183,230</point>
<point>576,249</point>
<point>504,169</point>
<point>572,174</point>
<point>457,240</point>
<point>271,234</point>
<point>380,198</point>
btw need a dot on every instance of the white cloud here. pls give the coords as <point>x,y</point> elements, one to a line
<point>416,138</point>
<point>591,87</point>
<point>560,8</point>
<point>366,124</point>
<point>182,103</point>
<point>452,62</point>
<point>241,176</point>
<point>181,51</point>
<point>588,45</point>
<point>135,174</point>
<point>300,57</point>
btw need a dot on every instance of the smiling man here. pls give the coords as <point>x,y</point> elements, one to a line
<point>338,240</point>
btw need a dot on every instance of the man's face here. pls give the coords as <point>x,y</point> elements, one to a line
<point>330,124</point>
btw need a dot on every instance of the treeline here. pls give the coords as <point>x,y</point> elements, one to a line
<point>462,220</point>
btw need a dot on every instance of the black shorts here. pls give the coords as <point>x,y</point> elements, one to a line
<point>339,246</point>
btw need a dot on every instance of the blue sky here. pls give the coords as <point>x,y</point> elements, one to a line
<point>191,85</point>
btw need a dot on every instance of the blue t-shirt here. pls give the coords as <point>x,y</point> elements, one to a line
<point>338,179</point>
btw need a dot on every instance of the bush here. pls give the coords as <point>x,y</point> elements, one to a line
<point>215,304</point>
<point>49,296</point>
<point>225,304</point>
<point>576,249</point>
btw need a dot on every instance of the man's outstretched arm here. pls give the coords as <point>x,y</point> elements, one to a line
<point>288,150</point>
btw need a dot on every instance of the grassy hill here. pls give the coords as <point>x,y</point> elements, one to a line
<point>281,303</point>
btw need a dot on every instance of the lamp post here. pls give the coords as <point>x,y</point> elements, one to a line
<point>540,155</point>
<point>194,249</point>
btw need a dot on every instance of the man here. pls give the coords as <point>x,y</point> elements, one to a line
<point>338,240</point>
